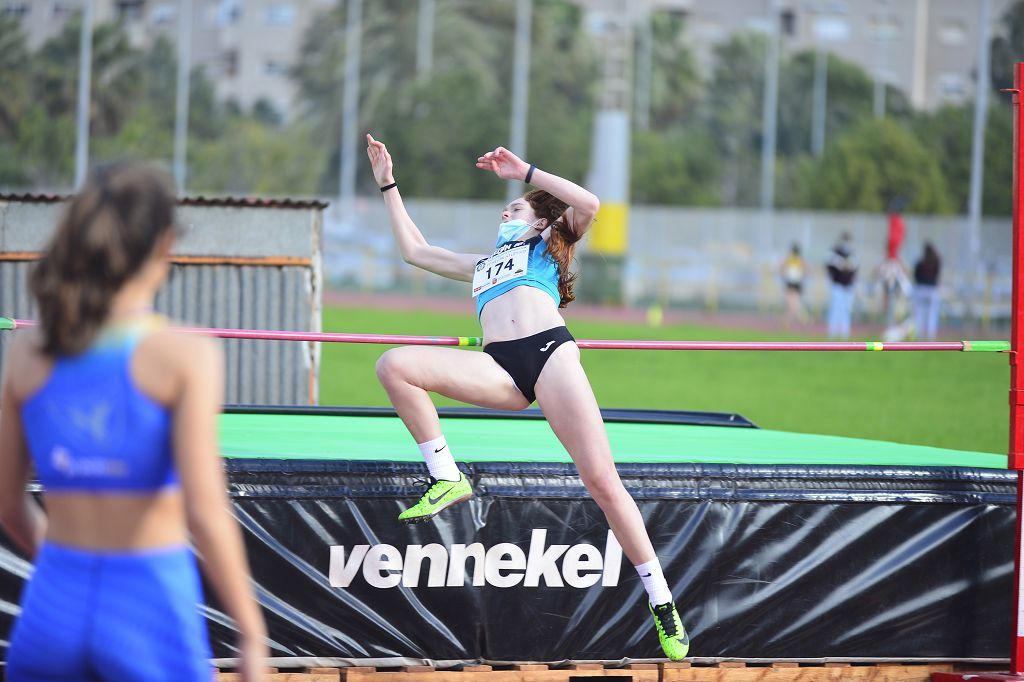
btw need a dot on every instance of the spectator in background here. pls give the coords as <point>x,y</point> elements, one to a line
<point>894,278</point>
<point>842,270</point>
<point>793,271</point>
<point>926,292</point>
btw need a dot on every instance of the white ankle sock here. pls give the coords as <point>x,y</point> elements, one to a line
<point>439,459</point>
<point>654,582</point>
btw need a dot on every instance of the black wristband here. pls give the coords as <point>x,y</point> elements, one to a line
<point>385,188</point>
<point>529,173</point>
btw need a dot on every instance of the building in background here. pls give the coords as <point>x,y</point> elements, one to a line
<point>245,46</point>
<point>926,48</point>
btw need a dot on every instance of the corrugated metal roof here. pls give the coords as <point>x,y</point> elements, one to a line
<point>233,202</point>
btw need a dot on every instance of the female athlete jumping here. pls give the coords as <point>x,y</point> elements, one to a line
<point>528,355</point>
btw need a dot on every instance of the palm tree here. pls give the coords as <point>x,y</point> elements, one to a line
<point>14,76</point>
<point>116,76</point>
<point>468,42</point>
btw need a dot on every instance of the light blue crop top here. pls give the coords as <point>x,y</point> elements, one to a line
<point>541,273</point>
<point>90,428</point>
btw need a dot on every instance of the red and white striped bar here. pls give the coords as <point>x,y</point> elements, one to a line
<point>596,344</point>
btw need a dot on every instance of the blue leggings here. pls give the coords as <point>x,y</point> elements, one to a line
<point>90,616</point>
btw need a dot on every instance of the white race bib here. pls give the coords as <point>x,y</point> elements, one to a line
<point>500,267</point>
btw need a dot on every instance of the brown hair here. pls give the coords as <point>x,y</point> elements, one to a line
<point>561,241</point>
<point>107,233</point>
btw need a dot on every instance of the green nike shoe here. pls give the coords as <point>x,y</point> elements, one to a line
<point>440,495</point>
<point>674,640</point>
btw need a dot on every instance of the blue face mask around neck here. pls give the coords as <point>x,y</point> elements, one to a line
<point>512,229</point>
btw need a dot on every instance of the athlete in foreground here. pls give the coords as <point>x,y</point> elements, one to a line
<point>117,414</point>
<point>528,355</point>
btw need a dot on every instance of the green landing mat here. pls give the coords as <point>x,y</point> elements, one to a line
<point>346,437</point>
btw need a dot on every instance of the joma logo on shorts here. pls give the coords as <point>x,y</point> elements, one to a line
<point>503,565</point>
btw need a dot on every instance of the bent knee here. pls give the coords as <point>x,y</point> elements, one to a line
<point>395,366</point>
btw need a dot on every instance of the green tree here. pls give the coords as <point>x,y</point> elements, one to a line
<point>997,190</point>
<point>44,147</point>
<point>849,100</point>
<point>875,163</point>
<point>253,158</point>
<point>436,147</point>
<point>948,133</point>
<point>563,86</point>
<point>158,83</point>
<point>145,135</point>
<point>679,166</point>
<point>14,76</point>
<point>675,82</point>
<point>734,114</point>
<point>16,99</point>
<point>116,75</point>
<point>437,128</point>
<point>465,47</point>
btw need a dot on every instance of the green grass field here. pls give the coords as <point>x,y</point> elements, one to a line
<point>952,400</point>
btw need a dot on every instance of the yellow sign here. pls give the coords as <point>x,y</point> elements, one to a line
<point>609,232</point>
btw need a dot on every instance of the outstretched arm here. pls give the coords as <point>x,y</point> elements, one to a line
<point>583,204</point>
<point>414,247</point>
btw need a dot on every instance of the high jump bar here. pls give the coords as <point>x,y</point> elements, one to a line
<point>596,344</point>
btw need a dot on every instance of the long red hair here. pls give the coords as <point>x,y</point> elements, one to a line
<point>561,242</point>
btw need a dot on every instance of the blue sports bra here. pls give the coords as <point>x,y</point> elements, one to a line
<point>90,428</point>
<point>541,273</point>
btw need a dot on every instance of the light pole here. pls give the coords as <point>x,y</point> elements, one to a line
<point>978,146</point>
<point>770,107</point>
<point>350,109</point>
<point>820,101</point>
<point>520,88</point>
<point>425,41</point>
<point>826,29</point>
<point>84,96</point>
<point>182,93</point>
<point>882,39</point>
<point>644,65</point>
<point>605,256</point>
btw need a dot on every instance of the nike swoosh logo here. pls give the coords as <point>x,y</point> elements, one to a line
<point>646,575</point>
<point>546,346</point>
<point>440,448</point>
<point>435,500</point>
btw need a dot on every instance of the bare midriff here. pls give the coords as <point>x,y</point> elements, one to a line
<point>518,313</point>
<point>116,521</point>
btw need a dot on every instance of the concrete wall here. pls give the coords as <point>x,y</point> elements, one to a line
<point>710,258</point>
<point>253,267</point>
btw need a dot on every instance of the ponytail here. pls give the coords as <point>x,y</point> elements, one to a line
<point>107,233</point>
<point>561,242</point>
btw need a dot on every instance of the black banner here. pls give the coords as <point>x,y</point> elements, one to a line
<point>765,562</point>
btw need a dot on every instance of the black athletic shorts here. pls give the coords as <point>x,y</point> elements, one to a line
<point>524,358</point>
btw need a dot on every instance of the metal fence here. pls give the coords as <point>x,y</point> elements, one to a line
<point>253,264</point>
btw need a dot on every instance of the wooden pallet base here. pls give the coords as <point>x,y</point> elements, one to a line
<point>729,671</point>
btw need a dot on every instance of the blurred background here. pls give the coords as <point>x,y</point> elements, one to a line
<point>732,129</point>
<point>719,134</point>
